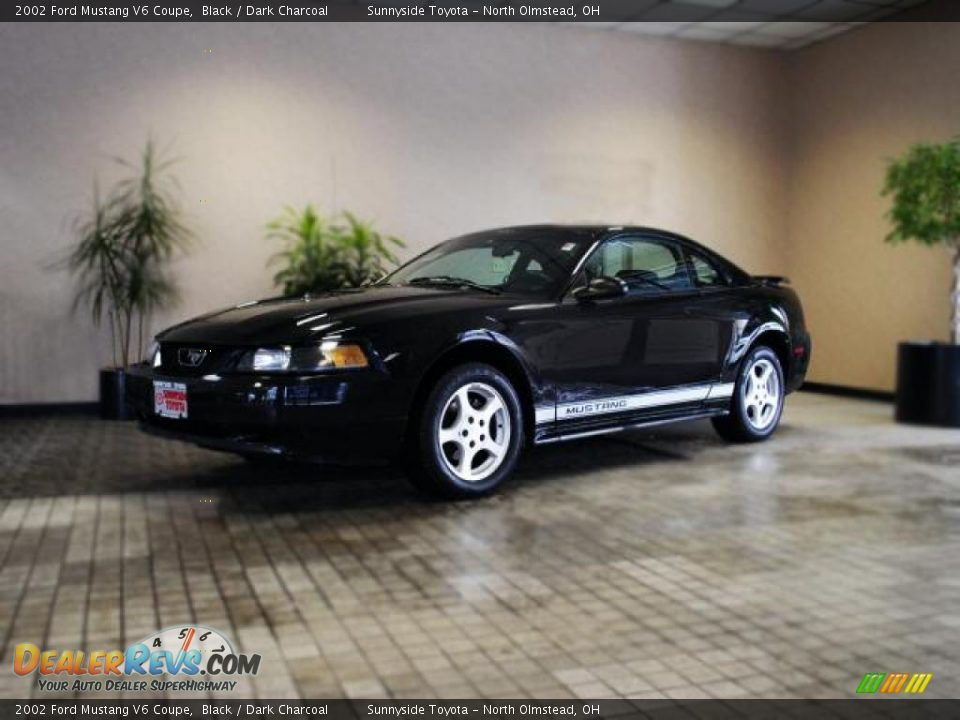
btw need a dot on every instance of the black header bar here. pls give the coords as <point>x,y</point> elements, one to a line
<point>582,11</point>
<point>580,709</point>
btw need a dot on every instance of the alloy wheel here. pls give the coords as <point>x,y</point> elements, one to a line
<point>762,394</point>
<point>474,431</point>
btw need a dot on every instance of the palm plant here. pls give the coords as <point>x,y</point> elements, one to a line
<point>366,251</point>
<point>327,253</point>
<point>124,245</point>
<point>925,188</point>
<point>312,260</point>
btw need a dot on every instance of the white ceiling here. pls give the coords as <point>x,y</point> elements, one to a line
<point>783,24</point>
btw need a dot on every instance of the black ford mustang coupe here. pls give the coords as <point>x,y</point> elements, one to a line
<point>484,343</point>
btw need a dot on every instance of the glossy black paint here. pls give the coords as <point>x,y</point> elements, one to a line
<point>573,360</point>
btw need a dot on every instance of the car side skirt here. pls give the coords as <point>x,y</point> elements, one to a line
<point>607,430</point>
<point>619,412</point>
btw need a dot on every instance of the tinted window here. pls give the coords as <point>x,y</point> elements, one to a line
<point>705,273</point>
<point>645,264</point>
<point>474,263</point>
<point>525,261</point>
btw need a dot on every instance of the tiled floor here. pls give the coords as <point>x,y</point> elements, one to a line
<point>645,565</point>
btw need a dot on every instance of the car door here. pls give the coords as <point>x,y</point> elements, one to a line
<point>643,355</point>
<point>720,306</point>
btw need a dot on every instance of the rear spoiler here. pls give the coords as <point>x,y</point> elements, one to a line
<point>773,280</point>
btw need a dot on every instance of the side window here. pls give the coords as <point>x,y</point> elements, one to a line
<point>647,265</point>
<point>705,273</point>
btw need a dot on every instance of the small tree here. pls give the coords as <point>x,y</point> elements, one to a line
<point>312,261</point>
<point>925,187</point>
<point>367,252</point>
<point>122,250</point>
<point>327,253</point>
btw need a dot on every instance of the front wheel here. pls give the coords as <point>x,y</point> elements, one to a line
<point>470,433</point>
<point>757,399</point>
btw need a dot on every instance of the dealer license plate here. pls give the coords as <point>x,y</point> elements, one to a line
<point>169,399</point>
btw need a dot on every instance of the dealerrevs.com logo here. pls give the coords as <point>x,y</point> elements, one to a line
<point>191,658</point>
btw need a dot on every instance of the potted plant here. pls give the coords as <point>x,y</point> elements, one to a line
<point>119,261</point>
<point>924,185</point>
<point>322,254</point>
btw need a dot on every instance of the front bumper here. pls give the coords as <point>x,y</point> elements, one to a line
<point>337,417</point>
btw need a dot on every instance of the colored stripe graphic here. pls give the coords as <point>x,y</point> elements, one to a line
<point>918,683</point>
<point>871,682</point>
<point>893,683</point>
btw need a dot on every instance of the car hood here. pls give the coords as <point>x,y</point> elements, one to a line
<point>295,320</point>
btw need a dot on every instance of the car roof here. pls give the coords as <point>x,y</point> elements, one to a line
<point>592,230</point>
<point>599,232</point>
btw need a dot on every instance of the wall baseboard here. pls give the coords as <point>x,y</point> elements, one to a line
<point>48,409</point>
<point>845,391</point>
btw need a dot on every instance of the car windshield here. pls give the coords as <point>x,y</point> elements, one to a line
<point>523,261</point>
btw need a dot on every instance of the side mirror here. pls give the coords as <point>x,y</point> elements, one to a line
<point>601,288</point>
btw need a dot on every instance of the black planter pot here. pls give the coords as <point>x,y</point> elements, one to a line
<point>113,390</point>
<point>928,384</point>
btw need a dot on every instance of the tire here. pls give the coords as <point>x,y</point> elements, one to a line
<point>454,454</point>
<point>757,399</point>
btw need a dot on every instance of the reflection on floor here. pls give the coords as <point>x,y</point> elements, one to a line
<point>644,565</point>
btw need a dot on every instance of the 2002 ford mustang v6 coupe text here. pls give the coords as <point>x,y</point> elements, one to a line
<point>480,345</point>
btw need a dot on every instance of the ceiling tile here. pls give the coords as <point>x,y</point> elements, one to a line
<point>674,12</point>
<point>759,40</point>
<point>735,14</point>
<point>828,32</point>
<point>789,29</point>
<point>834,11</point>
<point>782,24</point>
<point>653,28</point>
<point>733,26</point>
<point>592,25</point>
<point>699,32</point>
<point>775,7</point>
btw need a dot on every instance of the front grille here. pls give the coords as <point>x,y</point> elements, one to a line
<point>175,359</point>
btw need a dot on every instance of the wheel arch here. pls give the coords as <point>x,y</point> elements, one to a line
<point>779,342</point>
<point>483,350</point>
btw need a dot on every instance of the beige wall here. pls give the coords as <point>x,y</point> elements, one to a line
<point>431,130</point>
<point>775,160</point>
<point>855,102</point>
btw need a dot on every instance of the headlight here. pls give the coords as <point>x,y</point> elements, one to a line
<point>329,355</point>
<point>271,359</point>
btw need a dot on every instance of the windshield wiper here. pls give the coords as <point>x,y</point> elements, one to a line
<point>450,280</point>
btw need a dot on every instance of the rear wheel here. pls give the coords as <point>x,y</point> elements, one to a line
<point>470,433</point>
<point>757,399</point>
